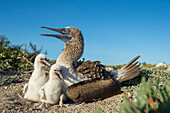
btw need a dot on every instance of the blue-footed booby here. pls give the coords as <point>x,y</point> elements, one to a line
<point>74,46</point>
<point>37,79</point>
<point>51,92</point>
<point>74,72</point>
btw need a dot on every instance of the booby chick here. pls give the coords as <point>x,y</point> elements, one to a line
<point>51,91</point>
<point>37,79</point>
<point>73,50</point>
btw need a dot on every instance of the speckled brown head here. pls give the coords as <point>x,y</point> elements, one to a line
<point>67,33</point>
<point>74,43</point>
<point>74,32</point>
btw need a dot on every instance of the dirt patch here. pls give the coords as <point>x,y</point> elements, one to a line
<point>11,101</point>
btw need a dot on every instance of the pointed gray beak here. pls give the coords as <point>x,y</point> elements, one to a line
<point>60,30</point>
<point>65,33</point>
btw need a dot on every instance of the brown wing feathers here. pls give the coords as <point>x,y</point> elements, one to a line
<point>93,90</point>
<point>97,88</point>
<point>130,70</point>
<point>92,70</point>
<point>131,62</point>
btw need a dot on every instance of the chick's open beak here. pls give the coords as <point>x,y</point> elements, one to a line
<point>64,36</point>
<point>45,63</point>
<point>59,75</point>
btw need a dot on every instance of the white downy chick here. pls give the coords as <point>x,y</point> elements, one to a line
<point>52,91</point>
<point>37,79</point>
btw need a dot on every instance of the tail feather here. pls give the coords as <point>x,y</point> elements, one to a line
<point>131,66</point>
<point>129,76</point>
<point>128,71</point>
<point>131,62</point>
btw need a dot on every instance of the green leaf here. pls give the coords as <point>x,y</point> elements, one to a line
<point>98,110</point>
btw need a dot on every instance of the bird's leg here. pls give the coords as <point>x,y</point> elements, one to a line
<point>41,105</point>
<point>47,105</point>
<point>62,97</point>
<point>44,105</point>
<point>37,105</point>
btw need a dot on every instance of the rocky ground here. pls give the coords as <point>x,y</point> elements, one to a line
<point>11,100</point>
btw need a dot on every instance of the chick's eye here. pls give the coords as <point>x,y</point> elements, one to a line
<point>55,70</point>
<point>41,59</point>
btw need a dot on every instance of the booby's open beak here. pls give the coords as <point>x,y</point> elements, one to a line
<point>64,36</point>
<point>45,63</point>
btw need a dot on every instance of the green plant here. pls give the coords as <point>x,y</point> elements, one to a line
<point>118,66</point>
<point>4,80</point>
<point>146,66</point>
<point>98,110</point>
<point>148,99</point>
<point>15,58</point>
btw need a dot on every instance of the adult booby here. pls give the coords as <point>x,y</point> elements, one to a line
<point>73,50</point>
<point>51,91</point>
<point>74,46</point>
<point>37,79</point>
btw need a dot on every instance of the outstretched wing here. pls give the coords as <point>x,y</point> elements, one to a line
<point>95,70</point>
<point>92,70</point>
<point>96,89</point>
<point>127,72</point>
<point>93,90</point>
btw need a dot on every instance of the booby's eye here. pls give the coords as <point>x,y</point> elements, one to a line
<point>68,30</point>
<point>55,70</point>
<point>41,59</point>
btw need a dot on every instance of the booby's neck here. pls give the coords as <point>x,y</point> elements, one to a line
<point>73,51</point>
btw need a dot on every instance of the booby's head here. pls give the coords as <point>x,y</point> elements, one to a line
<point>74,44</point>
<point>41,61</point>
<point>67,33</point>
<point>56,71</point>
